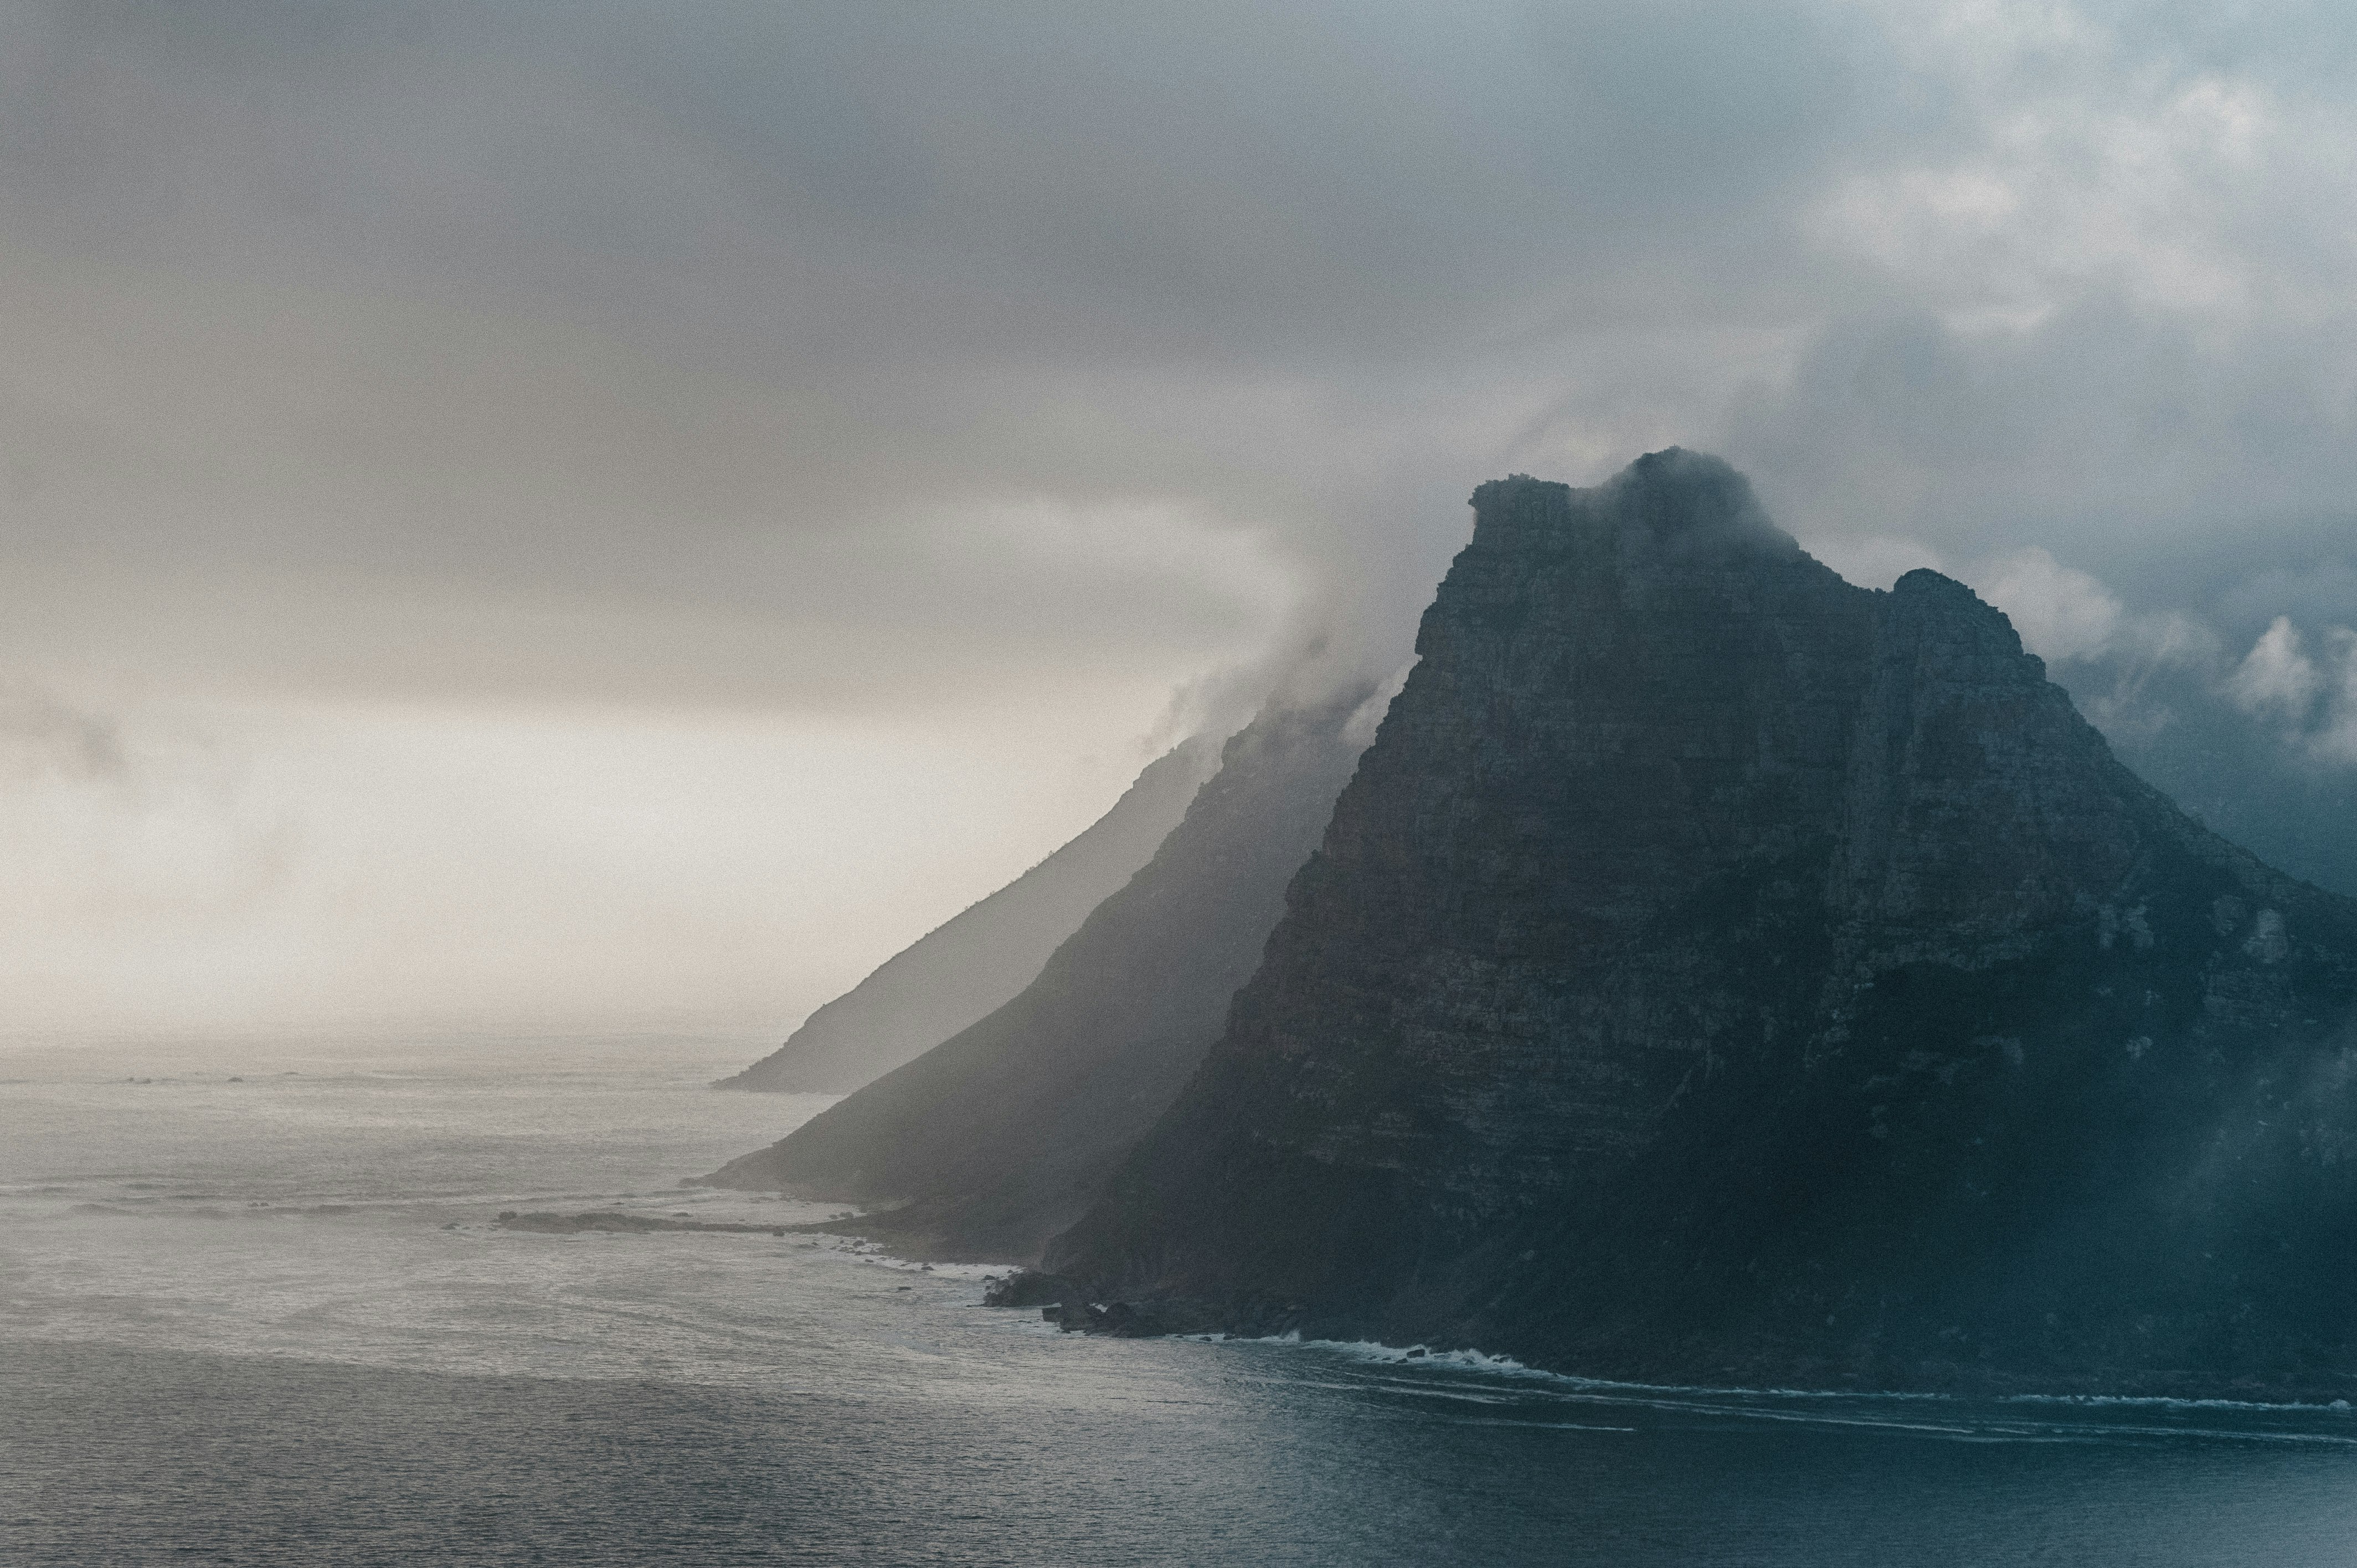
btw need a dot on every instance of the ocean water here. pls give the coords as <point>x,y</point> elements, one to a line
<point>274,1321</point>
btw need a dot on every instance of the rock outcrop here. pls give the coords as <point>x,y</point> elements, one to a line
<point>988,1145</point>
<point>1719,973</point>
<point>967,966</point>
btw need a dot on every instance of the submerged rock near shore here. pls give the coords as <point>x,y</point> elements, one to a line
<point>1717,971</point>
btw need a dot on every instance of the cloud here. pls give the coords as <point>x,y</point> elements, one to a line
<point>780,316</point>
<point>2338,738</point>
<point>116,819</point>
<point>2276,678</point>
<point>2060,612</point>
<point>850,370</point>
<point>42,736</point>
<point>715,311</point>
<point>378,866</point>
<point>2312,699</point>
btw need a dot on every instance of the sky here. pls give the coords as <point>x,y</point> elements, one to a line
<point>580,516</point>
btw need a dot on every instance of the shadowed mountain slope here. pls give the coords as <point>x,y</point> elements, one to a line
<point>1002,1135</point>
<point>977,961</point>
<point>1718,972</point>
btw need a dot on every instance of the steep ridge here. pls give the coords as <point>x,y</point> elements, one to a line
<point>972,964</point>
<point>1719,973</point>
<point>1002,1135</point>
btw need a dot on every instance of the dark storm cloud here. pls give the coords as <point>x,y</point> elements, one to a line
<point>751,305</point>
<point>794,314</point>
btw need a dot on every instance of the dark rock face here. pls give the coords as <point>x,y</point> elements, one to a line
<point>1002,1135</point>
<point>1717,971</point>
<point>969,966</point>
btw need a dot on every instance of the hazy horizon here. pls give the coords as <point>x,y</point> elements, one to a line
<point>526,517</point>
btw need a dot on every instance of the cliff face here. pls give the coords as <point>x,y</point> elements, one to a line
<point>1003,1134</point>
<point>969,966</point>
<point>1719,971</point>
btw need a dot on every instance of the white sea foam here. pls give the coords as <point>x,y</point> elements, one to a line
<point>2157,1401</point>
<point>1761,1404</point>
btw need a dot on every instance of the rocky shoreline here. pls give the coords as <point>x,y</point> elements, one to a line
<point>1065,1303</point>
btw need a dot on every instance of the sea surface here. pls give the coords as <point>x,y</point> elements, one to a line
<point>263,1312</point>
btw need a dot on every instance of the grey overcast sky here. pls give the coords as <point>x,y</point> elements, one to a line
<point>600,513</point>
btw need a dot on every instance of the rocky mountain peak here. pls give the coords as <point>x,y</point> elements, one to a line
<point>1719,970</point>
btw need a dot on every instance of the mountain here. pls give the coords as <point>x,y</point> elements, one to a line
<point>1716,972</point>
<point>974,964</point>
<point>1002,1135</point>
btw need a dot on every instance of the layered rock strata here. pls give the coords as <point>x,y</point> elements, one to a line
<point>1719,973</point>
<point>988,1145</point>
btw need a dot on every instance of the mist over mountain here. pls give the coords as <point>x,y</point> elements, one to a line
<point>2224,670</point>
<point>990,1142</point>
<point>974,962</point>
<point>2240,699</point>
<point>1716,971</point>
<point>2231,756</point>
